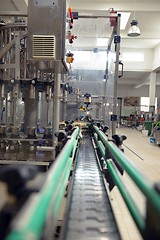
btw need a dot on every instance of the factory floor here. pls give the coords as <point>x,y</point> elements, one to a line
<point>146,157</point>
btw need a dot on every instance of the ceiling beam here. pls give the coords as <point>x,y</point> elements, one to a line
<point>144,81</point>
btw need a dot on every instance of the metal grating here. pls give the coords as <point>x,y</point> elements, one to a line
<point>43,47</point>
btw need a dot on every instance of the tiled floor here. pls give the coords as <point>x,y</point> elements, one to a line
<point>149,167</point>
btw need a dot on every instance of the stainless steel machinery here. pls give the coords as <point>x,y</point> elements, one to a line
<point>32,67</point>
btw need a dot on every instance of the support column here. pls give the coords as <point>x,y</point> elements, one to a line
<point>152,91</point>
<point>105,97</point>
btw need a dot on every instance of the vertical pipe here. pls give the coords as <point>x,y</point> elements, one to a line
<point>14,111</point>
<point>47,122</point>
<point>106,77</point>
<point>11,107</point>
<point>39,106</point>
<point>116,75</point>
<point>25,58</point>
<point>64,106</point>
<point>5,58</point>
<point>16,95</point>
<point>31,108</point>
<point>43,110</point>
<point>1,110</point>
<point>105,89</point>
<point>2,98</point>
<point>9,53</point>
<point>31,112</point>
<point>17,57</point>
<point>78,100</point>
<point>48,102</point>
<point>56,107</point>
<point>6,109</point>
<point>120,110</point>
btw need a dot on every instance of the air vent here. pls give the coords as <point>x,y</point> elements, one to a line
<point>43,47</point>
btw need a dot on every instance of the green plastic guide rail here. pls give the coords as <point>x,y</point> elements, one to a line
<point>127,198</point>
<point>44,206</point>
<point>142,183</point>
<point>39,217</point>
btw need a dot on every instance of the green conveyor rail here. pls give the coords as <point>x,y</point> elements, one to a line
<point>146,187</point>
<point>41,213</point>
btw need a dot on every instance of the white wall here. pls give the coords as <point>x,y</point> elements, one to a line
<point>150,63</point>
<point>130,91</point>
<point>156,57</point>
<point>145,65</point>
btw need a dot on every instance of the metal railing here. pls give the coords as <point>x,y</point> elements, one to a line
<point>39,217</point>
<point>147,226</point>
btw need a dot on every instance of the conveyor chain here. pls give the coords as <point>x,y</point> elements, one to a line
<point>89,214</point>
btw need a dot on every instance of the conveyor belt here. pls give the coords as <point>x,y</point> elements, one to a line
<point>89,214</point>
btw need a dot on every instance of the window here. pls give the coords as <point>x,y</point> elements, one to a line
<point>145,104</point>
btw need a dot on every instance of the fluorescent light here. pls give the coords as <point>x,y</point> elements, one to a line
<point>102,42</point>
<point>124,19</point>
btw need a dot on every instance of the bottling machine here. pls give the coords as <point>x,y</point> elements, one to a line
<point>32,68</point>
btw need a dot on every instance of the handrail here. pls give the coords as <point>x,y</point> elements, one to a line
<point>41,213</point>
<point>127,198</point>
<point>142,183</point>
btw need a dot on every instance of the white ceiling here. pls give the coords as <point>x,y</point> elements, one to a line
<point>147,12</point>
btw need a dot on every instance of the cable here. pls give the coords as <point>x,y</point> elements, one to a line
<point>133,152</point>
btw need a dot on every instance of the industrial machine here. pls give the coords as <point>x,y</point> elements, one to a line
<point>32,68</point>
<point>34,93</point>
<point>65,195</point>
<point>33,100</point>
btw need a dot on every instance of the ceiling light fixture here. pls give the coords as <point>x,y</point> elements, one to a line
<point>134,30</point>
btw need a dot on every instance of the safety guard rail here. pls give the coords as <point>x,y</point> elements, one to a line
<point>39,217</point>
<point>149,226</point>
